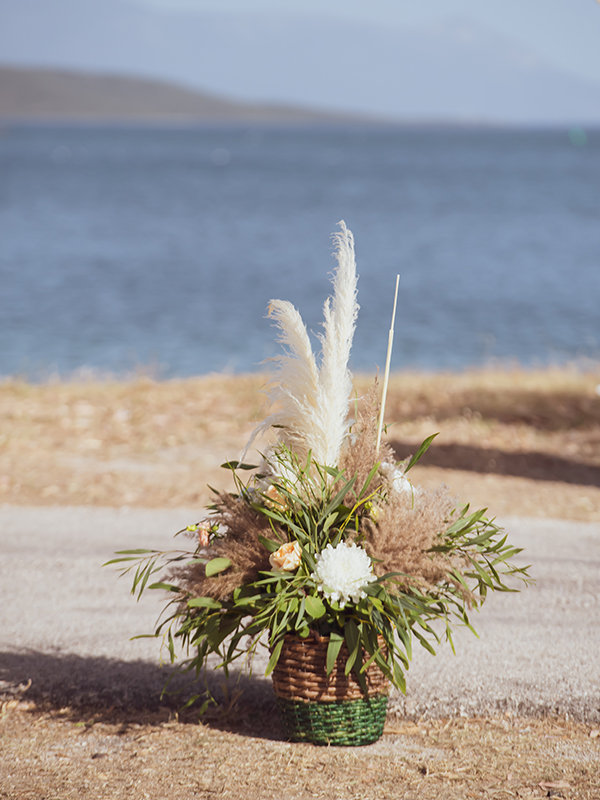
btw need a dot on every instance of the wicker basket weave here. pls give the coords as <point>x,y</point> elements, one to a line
<point>327,709</point>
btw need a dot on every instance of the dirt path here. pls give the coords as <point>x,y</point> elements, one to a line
<point>67,622</point>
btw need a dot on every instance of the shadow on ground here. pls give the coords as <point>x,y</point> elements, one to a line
<point>131,692</point>
<point>533,465</point>
<point>545,410</point>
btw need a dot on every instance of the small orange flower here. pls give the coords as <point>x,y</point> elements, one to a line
<point>287,558</point>
<point>274,499</point>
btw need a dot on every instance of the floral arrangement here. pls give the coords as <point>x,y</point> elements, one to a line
<point>326,536</point>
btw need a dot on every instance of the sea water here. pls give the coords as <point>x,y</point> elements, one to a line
<point>160,247</point>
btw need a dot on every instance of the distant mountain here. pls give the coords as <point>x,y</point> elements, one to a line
<point>457,71</point>
<point>52,94</point>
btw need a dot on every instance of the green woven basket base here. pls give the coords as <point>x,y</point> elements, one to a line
<point>348,722</point>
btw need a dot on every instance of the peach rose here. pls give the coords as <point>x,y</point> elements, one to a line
<point>287,558</point>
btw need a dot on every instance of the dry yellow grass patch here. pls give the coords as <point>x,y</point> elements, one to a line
<point>518,442</point>
<point>57,757</point>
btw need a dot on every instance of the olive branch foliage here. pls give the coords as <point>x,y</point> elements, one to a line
<point>311,510</point>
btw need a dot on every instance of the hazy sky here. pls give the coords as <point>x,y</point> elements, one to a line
<point>566,32</point>
<point>515,61</point>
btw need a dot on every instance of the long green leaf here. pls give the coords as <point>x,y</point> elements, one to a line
<point>399,679</point>
<point>337,500</point>
<point>169,587</point>
<point>352,638</point>
<point>420,452</point>
<point>269,544</point>
<point>333,650</point>
<point>142,576</point>
<point>233,465</point>
<point>300,618</point>
<point>367,482</point>
<point>464,523</point>
<point>274,657</point>
<point>482,574</point>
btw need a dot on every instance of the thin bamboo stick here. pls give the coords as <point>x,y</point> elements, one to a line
<point>387,366</point>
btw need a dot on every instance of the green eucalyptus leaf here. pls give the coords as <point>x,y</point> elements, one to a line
<point>329,521</point>
<point>217,565</point>
<point>203,602</point>
<point>337,500</point>
<point>376,603</point>
<point>169,587</point>
<point>483,538</point>
<point>315,607</point>
<point>119,561</point>
<point>335,473</point>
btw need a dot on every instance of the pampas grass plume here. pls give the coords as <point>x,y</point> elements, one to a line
<point>311,400</point>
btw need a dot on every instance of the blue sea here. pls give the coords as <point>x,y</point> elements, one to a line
<point>159,248</point>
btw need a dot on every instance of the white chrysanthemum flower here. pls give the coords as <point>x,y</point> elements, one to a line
<point>342,572</point>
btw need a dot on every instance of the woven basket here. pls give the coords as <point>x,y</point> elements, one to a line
<point>327,709</point>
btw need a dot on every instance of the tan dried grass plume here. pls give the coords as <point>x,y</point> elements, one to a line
<point>406,528</point>
<point>406,525</point>
<point>242,526</point>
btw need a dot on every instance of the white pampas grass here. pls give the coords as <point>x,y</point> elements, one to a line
<point>312,400</point>
<point>340,315</point>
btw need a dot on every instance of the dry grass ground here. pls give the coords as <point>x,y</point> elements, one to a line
<point>522,443</point>
<point>54,757</point>
<point>519,442</point>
